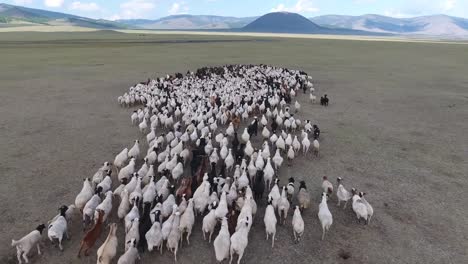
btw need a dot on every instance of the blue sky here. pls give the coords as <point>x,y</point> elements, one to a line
<point>126,9</point>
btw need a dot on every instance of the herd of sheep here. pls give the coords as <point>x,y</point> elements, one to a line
<point>195,166</point>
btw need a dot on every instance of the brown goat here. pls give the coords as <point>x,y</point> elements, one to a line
<point>185,188</point>
<point>92,235</point>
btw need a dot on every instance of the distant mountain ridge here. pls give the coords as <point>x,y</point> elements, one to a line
<point>278,22</point>
<point>282,22</point>
<point>189,22</point>
<point>435,25</point>
<point>286,22</point>
<point>18,15</point>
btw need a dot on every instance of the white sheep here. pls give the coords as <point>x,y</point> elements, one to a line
<point>359,207</point>
<point>28,242</point>
<point>316,146</point>
<point>85,194</point>
<point>240,239</point>
<point>133,233</point>
<point>154,237</point>
<point>131,255</point>
<point>174,236</point>
<point>88,210</point>
<point>209,223</point>
<point>105,205</point>
<point>187,220</point>
<point>370,209</point>
<point>132,215</point>
<point>324,215</point>
<point>270,221</point>
<point>327,186</point>
<point>108,249</point>
<point>222,242</point>
<point>99,175</point>
<point>275,194</point>
<point>342,194</point>
<point>298,224</point>
<point>59,228</point>
<point>283,205</point>
<point>124,205</point>
<point>121,158</point>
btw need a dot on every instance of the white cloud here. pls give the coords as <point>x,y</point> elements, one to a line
<point>396,13</point>
<point>448,5</point>
<point>85,7</point>
<point>302,6</point>
<point>136,9</point>
<point>53,3</point>
<point>178,8</point>
<point>23,2</point>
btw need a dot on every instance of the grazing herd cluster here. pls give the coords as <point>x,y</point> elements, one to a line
<point>197,166</point>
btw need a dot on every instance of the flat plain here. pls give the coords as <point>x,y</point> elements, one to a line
<point>395,128</point>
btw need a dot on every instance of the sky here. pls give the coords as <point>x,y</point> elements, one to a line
<point>152,9</point>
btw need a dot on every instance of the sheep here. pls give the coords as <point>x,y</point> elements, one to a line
<point>275,194</point>
<point>209,223</point>
<point>85,194</point>
<point>342,194</point>
<point>127,171</point>
<point>99,175</point>
<point>106,184</point>
<point>133,233</point>
<point>270,221</point>
<point>144,226</point>
<point>58,228</point>
<point>245,136</point>
<point>370,209</point>
<point>91,236</point>
<point>177,171</point>
<point>222,209</point>
<point>298,224</point>
<point>28,242</point>
<point>243,180</point>
<point>305,145</point>
<point>120,159</point>
<point>187,220</point>
<point>149,192</point>
<point>268,173</point>
<point>296,145</point>
<point>88,211</point>
<point>154,236</point>
<point>283,205</point>
<point>167,225</point>
<point>303,196</point>
<point>174,236</point>
<point>105,205</point>
<point>239,240</point>
<point>316,146</point>
<point>108,249</point>
<point>137,193</point>
<point>130,187</point>
<point>222,242</point>
<point>327,186</point>
<point>246,212</point>
<point>290,188</point>
<point>277,160</point>
<point>291,155</point>
<point>324,215</point>
<point>131,255</point>
<point>124,205</point>
<point>297,106</point>
<point>312,97</point>
<point>133,214</point>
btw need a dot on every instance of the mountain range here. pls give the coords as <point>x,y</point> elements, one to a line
<point>11,15</point>
<point>278,22</point>
<point>436,25</point>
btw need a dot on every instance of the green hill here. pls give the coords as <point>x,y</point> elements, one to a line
<point>11,15</point>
